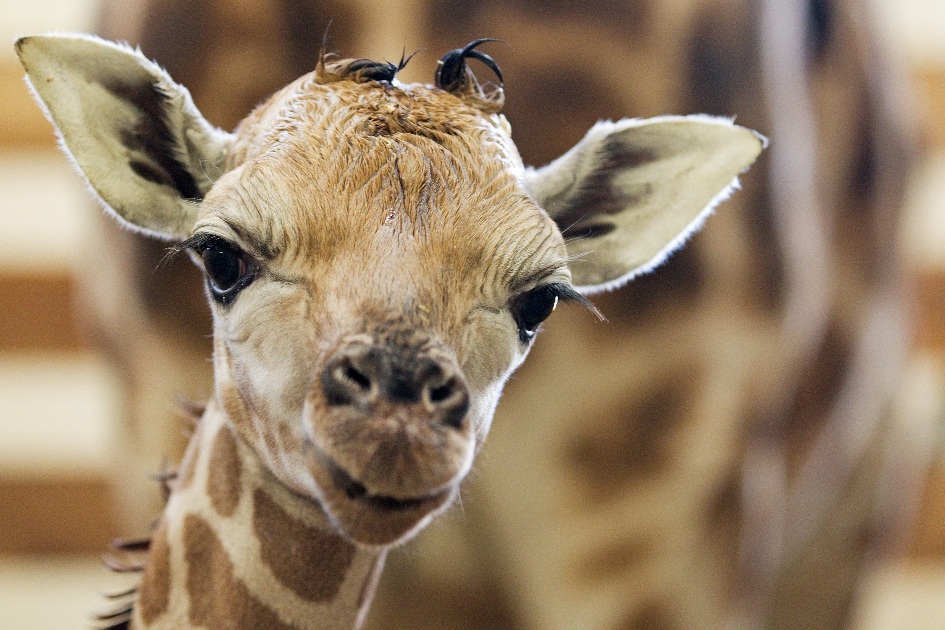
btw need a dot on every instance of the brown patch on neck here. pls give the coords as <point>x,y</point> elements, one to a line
<point>311,562</point>
<point>155,591</point>
<point>218,600</point>
<point>223,475</point>
<point>234,406</point>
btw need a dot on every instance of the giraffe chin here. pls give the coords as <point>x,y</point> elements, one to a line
<point>373,520</point>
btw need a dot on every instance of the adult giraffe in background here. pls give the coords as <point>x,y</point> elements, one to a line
<point>723,452</point>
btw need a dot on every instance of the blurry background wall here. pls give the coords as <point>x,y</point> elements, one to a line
<point>60,403</point>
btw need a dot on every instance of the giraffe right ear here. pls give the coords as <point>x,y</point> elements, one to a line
<point>133,132</point>
<point>631,192</point>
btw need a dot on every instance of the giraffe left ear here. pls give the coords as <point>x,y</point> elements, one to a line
<point>631,192</point>
<point>133,132</point>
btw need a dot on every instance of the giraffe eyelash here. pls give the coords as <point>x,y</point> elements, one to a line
<point>567,293</point>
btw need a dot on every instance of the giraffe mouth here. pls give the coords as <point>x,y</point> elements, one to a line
<point>370,515</point>
<point>356,491</point>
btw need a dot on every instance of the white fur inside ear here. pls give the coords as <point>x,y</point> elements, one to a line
<point>102,97</point>
<point>633,191</point>
<point>676,244</point>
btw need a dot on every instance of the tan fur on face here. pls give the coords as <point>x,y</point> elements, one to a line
<point>368,206</point>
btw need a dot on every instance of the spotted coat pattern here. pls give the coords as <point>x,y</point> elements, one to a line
<point>210,530</point>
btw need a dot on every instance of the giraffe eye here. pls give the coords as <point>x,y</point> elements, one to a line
<point>228,269</point>
<point>532,308</point>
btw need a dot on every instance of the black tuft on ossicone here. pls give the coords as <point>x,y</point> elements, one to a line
<point>329,70</point>
<point>370,70</point>
<point>451,69</point>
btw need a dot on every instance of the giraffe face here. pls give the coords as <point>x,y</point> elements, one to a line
<point>369,309</point>
<point>378,259</point>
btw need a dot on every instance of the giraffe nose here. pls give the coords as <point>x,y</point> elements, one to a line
<point>362,375</point>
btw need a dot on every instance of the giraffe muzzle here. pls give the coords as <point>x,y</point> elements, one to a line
<point>366,377</point>
<point>390,434</point>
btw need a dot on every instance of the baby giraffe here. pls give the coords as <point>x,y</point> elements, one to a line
<point>378,261</point>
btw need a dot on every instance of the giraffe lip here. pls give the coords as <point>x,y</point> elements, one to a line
<point>356,491</point>
<point>371,519</point>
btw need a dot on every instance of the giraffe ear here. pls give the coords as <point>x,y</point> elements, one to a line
<point>631,192</point>
<point>133,132</point>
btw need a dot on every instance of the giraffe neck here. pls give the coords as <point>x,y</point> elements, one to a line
<point>235,549</point>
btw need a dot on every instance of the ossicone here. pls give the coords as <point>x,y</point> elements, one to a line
<point>454,75</point>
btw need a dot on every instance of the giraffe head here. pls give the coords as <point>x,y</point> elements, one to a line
<point>378,259</point>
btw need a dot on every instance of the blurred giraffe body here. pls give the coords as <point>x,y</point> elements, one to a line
<point>718,453</point>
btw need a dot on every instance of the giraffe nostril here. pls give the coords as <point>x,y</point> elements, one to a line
<point>356,376</point>
<point>345,382</point>
<point>443,392</point>
<point>362,376</point>
<point>450,401</point>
